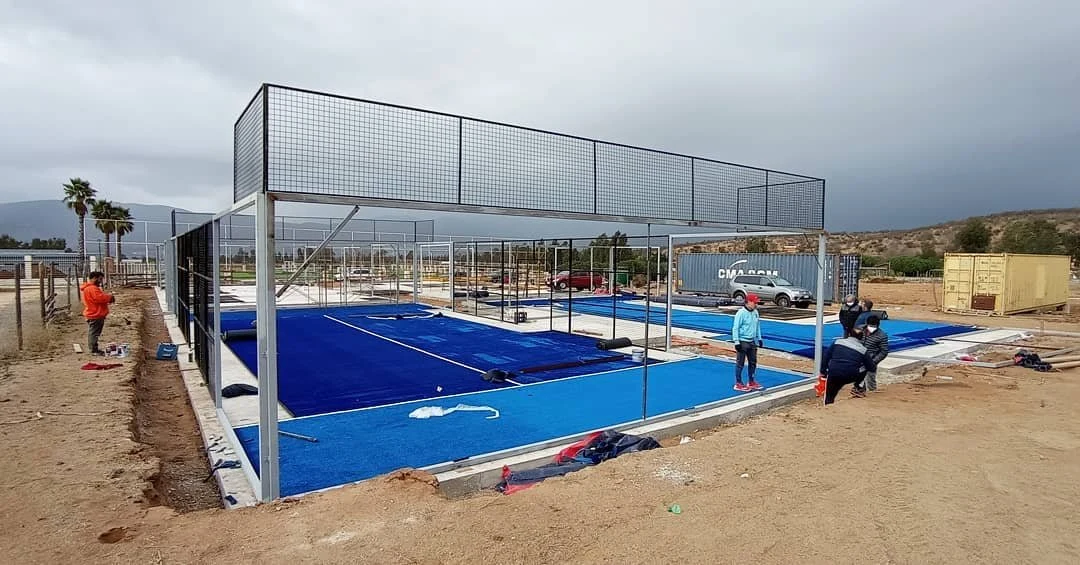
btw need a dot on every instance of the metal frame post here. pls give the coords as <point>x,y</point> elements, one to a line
<point>215,378</point>
<point>453,299</point>
<point>670,275</point>
<point>266,331</point>
<point>820,306</point>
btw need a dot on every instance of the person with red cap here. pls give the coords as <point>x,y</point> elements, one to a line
<point>746,333</point>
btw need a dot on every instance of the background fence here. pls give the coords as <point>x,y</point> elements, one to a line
<point>32,297</point>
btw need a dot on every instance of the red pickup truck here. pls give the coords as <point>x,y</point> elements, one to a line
<point>579,280</point>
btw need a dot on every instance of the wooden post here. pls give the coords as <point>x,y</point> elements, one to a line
<point>67,283</point>
<point>18,309</point>
<point>41,289</point>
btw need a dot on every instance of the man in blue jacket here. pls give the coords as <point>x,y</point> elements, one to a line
<point>746,333</point>
<point>844,362</point>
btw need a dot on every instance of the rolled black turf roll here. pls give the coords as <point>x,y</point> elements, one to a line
<point>234,335</point>
<point>616,343</point>
<point>496,376</point>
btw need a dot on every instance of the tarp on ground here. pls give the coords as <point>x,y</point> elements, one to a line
<point>595,449</point>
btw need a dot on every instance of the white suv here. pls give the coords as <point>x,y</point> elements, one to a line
<point>783,292</point>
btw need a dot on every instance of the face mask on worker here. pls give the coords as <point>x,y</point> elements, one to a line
<point>870,329</point>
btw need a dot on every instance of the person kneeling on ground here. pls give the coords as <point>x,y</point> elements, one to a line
<point>95,308</point>
<point>746,333</point>
<point>876,342</point>
<point>844,362</point>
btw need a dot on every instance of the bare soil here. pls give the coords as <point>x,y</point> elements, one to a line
<point>959,465</point>
<point>164,420</point>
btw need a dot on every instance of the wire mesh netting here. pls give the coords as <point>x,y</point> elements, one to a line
<point>333,145</point>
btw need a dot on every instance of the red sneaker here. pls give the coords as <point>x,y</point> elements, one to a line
<point>754,385</point>
<point>741,387</point>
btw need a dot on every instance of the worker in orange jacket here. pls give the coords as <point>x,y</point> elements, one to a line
<point>95,308</point>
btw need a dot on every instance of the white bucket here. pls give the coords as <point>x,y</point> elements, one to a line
<point>638,355</point>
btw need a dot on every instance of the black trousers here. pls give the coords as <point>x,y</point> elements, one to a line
<point>833,384</point>
<point>745,353</point>
<point>94,332</point>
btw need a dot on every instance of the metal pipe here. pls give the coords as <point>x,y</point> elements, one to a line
<point>266,330</point>
<point>819,314</point>
<point>311,257</point>
<point>670,271</point>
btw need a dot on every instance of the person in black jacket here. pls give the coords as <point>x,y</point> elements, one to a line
<point>844,362</point>
<point>876,342</point>
<point>849,312</point>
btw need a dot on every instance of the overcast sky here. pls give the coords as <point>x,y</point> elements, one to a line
<point>914,112</point>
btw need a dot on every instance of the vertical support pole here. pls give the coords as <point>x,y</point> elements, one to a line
<point>266,330</point>
<point>670,275</point>
<point>416,280</point>
<point>591,269</point>
<point>453,299</point>
<point>648,302</point>
<point>819,320</point>
<point>215,371</point>
<point>18,310</point>
<point>502,281</point>
<point>41,289</point>
<point>570,291</point>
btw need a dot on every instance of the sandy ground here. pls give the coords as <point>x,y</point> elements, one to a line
<point>982,468</point>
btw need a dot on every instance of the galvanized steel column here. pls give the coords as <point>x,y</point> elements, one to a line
<point>266,331</point>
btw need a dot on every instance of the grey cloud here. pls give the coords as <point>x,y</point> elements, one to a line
<point>913,113</point>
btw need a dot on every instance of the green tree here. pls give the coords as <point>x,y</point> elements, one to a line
<point>1071,242</point>
<point>1031,236</point>
<point>79,197</point>
<point>757,245</point>
<point>8,242</point>
<point>123,225</point>
<point>974,237</point>
<point>102,211</point>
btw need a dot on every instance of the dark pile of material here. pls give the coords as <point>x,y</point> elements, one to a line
<point>1031,361</point>
<point>596,448</point>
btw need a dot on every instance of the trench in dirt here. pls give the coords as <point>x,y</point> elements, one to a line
<point>165,422</point>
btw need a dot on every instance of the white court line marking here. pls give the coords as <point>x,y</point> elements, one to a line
<point>394,341</point>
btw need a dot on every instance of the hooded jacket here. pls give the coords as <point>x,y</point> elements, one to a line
<point>95,301</point>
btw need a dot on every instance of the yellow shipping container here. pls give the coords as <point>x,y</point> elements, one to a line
<point>1005,283</point>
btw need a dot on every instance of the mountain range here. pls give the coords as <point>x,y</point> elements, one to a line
<point>153,224</point>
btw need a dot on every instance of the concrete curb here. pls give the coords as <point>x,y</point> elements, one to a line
<point>467,480</point>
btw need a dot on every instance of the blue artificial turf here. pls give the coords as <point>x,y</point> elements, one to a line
<point>328,362</point>
<point>782,336</point>
<point>361,444</point>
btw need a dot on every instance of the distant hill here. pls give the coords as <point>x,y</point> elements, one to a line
<point>45,219</point>
<point>899,242</point>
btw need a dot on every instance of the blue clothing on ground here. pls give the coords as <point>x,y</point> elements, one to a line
<point>747,327</point>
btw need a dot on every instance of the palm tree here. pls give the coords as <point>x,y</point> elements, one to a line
<point>102,211</point>
<point>123,225</point>
<point>79,196</point>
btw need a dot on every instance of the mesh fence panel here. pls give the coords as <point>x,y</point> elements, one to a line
<point>332,145</point>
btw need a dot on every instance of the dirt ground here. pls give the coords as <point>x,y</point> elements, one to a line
<point>921,301</point>
<point>959,465</point>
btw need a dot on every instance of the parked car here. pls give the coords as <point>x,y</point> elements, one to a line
<point>579,280</point>
<point>356,274</point>
<point>777,289</point>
